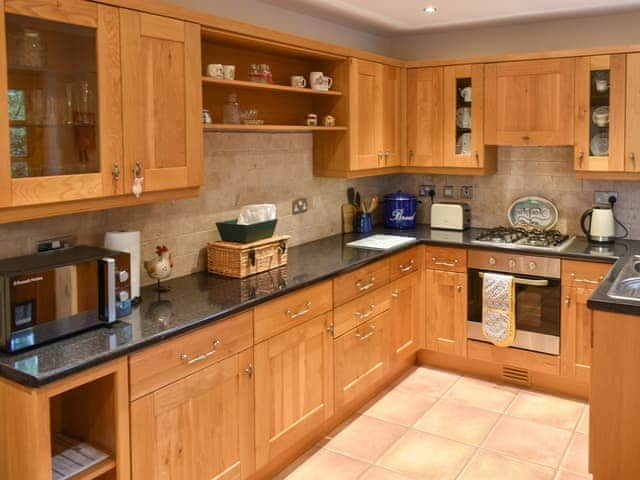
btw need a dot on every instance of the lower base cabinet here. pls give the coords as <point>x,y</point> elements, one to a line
<point>294,386</point>
<point>404,330</point>
<point>198,427</point>
<point>446,311</point>
<point>577,325</point>
<point>361,358</point>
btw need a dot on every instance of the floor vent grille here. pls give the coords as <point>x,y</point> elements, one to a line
<point>515,375</point>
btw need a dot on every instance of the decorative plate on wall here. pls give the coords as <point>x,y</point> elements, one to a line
<point>533,212</point>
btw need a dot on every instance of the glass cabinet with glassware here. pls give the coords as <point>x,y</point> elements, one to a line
<point>62,137</point>
<point>600,113</point>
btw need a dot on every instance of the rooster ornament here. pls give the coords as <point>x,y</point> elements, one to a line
<point>159,268</point>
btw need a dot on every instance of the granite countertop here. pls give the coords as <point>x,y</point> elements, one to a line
<point>201,298</point>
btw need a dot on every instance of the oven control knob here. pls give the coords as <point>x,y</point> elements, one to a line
<point>123,295</point>
<point>532,265</point>
<point>122,276</point>
<point>512,263</point>
<point>492,260</point>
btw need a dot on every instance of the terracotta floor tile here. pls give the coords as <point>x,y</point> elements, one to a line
<point>564,475</point>
<point>529,441</point>
<point>379,473</point>
<point>481,394</point>
<point>492,466</point>
<point>321,464</point>
<point>423,456</point>
<point>583,424</point>
<point>364,438</point>
<point>458,421</point>
<point>398,406</point>
<point>428,381</point>
<point>547,409</point>
<point>577,458</point>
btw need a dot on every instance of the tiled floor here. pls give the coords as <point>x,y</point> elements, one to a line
<point>436,425</point>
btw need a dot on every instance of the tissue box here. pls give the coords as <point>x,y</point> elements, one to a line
<point>230,231</point>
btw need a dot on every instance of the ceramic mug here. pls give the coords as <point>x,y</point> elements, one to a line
<point>602,85</point>
<point>319,81</point>
<point>465,93</point>
<point>463,117</point>
<point>229,72</point>
<point>601,119</point>
<point>215,70</point>
<point>329,121</point>
<point>463,145</point>
<point>298,81</point>
<point>312,120</point>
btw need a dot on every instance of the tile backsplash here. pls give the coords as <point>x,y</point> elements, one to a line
<point>276,168</point>
<point>240,169</point>
<point>541,171</point>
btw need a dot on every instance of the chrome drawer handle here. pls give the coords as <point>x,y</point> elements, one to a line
<point>365,336</point>
<point>362,316</point>
<point>444,264</point>
<point>408,267</point>
<point>203,356</point>
<point>299,313</point>
<point>366,286</point>
<point>585,280</point>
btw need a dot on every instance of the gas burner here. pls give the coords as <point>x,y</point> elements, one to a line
<point>525,238</point>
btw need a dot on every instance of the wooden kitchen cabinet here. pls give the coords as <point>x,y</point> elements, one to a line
<point>198,427</point>
<point>375,96</point>
<point>162,98</point>
<point>446,311</point>
<point>62,137</point>
<point>632,132</point>
<point>530,102</point>
<point>600,84</point>
<point>294,386</point>
<point>405,311</point>
<point>425,117</point>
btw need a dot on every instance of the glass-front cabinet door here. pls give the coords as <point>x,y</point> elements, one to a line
<point>600,113</point>
<point>463,116</point>
<point>62,137</point>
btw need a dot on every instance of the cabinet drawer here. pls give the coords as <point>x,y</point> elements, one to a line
<point>360,359</point>
<point>357,311</point>
<point>405,263</point>
<point>583,274</point>
<point>446,258</point>
<point>169,361</point>
<point>357,283</point>
<point>284,313</point>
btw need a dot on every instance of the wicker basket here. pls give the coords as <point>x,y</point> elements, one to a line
<point>240,260</point>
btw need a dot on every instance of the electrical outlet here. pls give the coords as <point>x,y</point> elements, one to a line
<point>466,192</point>
<point>448,191</point>
<point>299,205</point>
<point>424,190</point>
<point>603,197</point>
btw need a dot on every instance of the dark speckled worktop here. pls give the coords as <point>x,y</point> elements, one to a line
<point>200,298</point>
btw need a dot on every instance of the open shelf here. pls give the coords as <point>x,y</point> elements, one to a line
<point>267,86</point>
<point>63,443</point>
<point>269,128</point>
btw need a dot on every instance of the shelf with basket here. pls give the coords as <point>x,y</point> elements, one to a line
<point>223,127</point>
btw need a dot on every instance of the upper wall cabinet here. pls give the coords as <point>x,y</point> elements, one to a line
<point>62,137</point>
<point>632,140</point>
<point>163,100</point>
<point>600,113</point>
<point>425,112</point>
<point>530,102</point>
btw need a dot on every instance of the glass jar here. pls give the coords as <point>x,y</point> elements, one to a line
<point>254,73</point>
<point>32,52</point>
<point>231,110</point>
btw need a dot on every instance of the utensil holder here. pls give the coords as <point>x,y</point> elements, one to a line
<point>363,223</point>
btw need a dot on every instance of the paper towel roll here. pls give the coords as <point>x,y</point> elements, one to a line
<point>127,242</point>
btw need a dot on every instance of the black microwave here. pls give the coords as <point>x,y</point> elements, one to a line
<point>47,296</point>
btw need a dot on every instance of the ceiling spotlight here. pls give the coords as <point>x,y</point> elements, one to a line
<point>430,9</point>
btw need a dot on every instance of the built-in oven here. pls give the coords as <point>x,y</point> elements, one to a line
<point>537,302</point>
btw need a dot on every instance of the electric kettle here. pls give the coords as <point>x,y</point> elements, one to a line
<point>602,224</point>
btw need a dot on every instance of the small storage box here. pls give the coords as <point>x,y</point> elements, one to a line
<point>240,260</point>
<point>230,231</point>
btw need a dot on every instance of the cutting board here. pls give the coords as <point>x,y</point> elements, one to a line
<point>348,217</point>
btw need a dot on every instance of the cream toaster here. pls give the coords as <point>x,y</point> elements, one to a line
<point>450,216</point>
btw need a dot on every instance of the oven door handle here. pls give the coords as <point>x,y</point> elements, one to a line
<point>525,281</point>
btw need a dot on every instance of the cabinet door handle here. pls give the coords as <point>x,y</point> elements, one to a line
<point>367,314</point>
<point>585,280</point>
<point>632,156</point>
<point>407,267</point>
<point>249,370</point>
<point>366,286</point>
<point>567,301</point>
<point>203,356</point>
<point>410,156</point>
<point>526,138</point>
<point>580,158</point>
<point>116,173</point>
<point>331,329</point>
<point>395,294</point>
<point>459,288</point>
<point>293,315</point>
<point>365,336</point>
